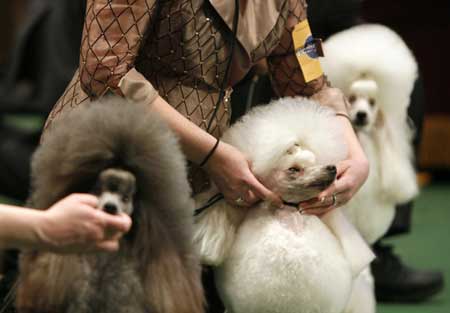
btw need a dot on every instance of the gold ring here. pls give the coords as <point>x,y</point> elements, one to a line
<point>239,201</point>
<point>334,200</point>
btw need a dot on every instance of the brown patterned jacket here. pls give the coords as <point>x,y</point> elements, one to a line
<point>179,49</point>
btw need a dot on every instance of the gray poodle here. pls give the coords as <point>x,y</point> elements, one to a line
<point>115,149</point>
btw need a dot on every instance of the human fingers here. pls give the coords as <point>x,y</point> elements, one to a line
<point>120,222</point>
<point>238,194</point>
<point>341,183</point>
<point>342,167</point>
<point>106,239</point>
<point>260,191</point>
<point>342,187</point>
<point>84,198</point>
<point>317,211</point>
<point>108,245</point>
<point>316,203</point>
<point>233,197</point>
<point>250,197</point>
<point>324,204</point>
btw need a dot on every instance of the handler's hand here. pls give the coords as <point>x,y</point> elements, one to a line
<point>332,98</point>
<point>75,225</point>
<point>230,171</point>
<point>351,174</point>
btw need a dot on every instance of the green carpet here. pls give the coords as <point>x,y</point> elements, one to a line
<point>427,246</point>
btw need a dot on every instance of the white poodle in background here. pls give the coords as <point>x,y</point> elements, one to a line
<point>278,260</point>
<point>375,69</point>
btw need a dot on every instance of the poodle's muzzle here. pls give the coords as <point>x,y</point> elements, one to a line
<point>362,97</point>
<point>363,113</point>
<point>116,189</point>
<point>296,185</point>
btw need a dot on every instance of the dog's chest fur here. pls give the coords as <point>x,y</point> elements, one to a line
<point>110,284</point>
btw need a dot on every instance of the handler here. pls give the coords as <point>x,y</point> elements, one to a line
<point>174,56</point>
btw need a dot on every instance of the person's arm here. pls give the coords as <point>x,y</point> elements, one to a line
<point>287,80</point>
<point>227,167</point>
<point>18,227</point>
<point>69,226</point>
<point>112,36</point>
<point>107,64</point>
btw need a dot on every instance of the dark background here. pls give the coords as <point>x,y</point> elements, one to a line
<point>425,26</point>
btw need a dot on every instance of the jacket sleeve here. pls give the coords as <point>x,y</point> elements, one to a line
<point>112,35</point>
<point>286,73</point>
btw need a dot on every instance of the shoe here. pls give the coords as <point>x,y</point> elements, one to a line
<point>396,282</point>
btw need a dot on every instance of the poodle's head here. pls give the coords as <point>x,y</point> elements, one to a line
<point>116,189</point>
<point>296,176</point>
<point>365,112</point>
<point>377,53</point>
<point>293,144</point>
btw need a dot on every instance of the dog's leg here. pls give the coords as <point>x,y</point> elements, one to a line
<point>362,298</point>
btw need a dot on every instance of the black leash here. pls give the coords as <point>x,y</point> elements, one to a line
<point>228,68</point>
<point>219,196</point>
<point>214,199</point>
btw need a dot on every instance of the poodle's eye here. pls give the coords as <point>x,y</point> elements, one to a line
<point>294,169</point>
<point>125,198</point>
<point>352,98</point>
<point>372,102</point>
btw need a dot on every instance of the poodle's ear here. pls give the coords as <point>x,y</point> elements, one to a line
<point>47,281</point>
<point>380,119</point>
<point>215,230</point>
<point>171,273</point>
<point>397,174</point>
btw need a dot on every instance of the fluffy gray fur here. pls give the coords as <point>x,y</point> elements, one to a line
<point>156,269</point>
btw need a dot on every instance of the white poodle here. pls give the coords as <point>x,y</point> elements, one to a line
<point>375,69</point>
<point>278,260</point>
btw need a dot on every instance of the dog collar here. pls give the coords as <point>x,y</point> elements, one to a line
<point>295,204</point>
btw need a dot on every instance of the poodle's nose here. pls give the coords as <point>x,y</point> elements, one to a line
<point>110,208</point>
<point>331,169</point>
<point>361,117</point>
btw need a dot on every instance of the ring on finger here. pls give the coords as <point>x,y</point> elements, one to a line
<point>334,199</point>
<point>239,201</point>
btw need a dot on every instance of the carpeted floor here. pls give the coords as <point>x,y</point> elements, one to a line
<point>427,246</point>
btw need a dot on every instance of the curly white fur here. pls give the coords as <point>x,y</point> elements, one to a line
<point>279,260</point>
<point>375,55</point>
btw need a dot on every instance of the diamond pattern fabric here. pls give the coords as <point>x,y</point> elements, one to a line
<point>113,32</point>
<point>286,73</point>
<point>182,48</point>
